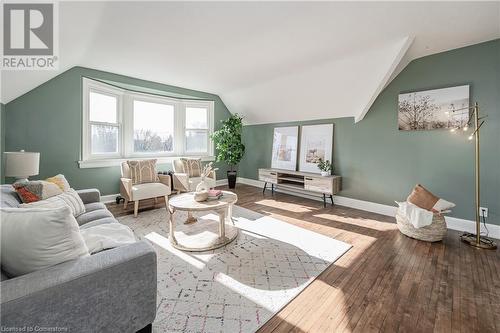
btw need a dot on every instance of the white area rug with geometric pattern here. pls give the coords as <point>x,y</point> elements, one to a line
<point>239,287</point>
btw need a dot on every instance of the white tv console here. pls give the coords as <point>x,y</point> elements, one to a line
<point>301,182</point>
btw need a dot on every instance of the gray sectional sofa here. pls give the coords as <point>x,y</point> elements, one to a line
<point>110,291</point>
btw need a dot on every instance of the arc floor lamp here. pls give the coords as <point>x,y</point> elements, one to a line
<point>477,121</point>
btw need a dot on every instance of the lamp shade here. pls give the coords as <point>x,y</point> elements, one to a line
<point>21,164</point>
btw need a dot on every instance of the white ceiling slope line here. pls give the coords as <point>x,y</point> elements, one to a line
<point>338,88</point>
<point>389,76</point>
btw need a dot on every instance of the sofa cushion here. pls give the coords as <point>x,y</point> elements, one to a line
<point>94,223</point>
<point>69,198</point>
<point>93,215</point>
<point>94,206</point>
<point>192,166</point>
<point>143,171</point>
<point>422,198</point>
<point>36,238</point>
<point>9,197</point>
<point>150,190</point>
<point>35,190</point>
<point>60,181</point>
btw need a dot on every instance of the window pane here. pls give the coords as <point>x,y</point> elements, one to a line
<point>104,139</point>
<point>102,107</point>
<point>153,127</point>
<point>196,141</point>
<point>196,117</point>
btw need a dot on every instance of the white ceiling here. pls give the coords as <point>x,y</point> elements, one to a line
<point>271,62</point>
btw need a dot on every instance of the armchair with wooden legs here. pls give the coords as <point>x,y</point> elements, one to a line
<point>136,192</point>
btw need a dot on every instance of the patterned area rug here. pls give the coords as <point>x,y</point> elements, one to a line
<point>239,287</point>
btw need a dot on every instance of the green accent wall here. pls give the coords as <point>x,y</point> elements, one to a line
<point>381,164</point>
<point>48,119</point>
<point>2,141</point>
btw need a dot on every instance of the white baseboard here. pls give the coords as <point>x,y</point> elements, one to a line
<point>452,222</point>
<point>221,182</point>
<point>109,197</point>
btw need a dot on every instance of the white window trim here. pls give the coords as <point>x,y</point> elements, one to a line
<point>125,116</point>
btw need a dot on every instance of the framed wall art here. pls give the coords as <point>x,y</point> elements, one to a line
<point>285,141</point>
<point>316,142</point>
<point>444,108</point>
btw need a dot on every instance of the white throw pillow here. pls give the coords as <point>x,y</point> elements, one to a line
<point>107,236</point>
<point>442,206</point>
<point>37,238</point>
<point>69,198</point>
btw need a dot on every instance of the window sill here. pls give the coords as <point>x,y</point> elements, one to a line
<point>110,162</point>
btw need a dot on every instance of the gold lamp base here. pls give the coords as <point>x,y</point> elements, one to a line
<point>484,243</point>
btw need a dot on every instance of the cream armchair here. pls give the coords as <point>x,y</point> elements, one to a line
<point>136,192</point>
<point>183,182</point>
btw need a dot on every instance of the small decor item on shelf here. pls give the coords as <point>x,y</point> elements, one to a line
<point>325,166</point>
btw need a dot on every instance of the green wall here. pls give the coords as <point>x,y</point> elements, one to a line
<point>48,120</point>
<point>2,141</point>
<point>381,164</point>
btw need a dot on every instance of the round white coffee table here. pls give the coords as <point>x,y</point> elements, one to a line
<point>204,234</point>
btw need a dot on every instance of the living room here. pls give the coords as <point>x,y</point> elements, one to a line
<point>250,166</point>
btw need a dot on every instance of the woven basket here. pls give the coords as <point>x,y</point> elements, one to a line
<point>430,233</point>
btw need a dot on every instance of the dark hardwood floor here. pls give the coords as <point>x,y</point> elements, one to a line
<point>387,282</point>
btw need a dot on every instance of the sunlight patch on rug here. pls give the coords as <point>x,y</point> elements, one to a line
<point>239,287</point>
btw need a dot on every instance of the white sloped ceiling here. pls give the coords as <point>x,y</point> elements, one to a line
<point>269,61</point>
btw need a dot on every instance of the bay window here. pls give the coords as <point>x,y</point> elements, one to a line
<point>120,124</point>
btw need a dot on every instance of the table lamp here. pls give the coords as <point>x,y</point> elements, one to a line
<point>21,164</point>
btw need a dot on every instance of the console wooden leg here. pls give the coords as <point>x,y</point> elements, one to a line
<point>264,189</point>
<point>324,200</point>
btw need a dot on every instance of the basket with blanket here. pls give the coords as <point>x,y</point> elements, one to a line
<point>421,215</point>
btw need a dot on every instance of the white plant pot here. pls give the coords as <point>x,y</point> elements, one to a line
<point>325,173</point>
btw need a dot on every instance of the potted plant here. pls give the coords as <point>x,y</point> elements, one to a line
<point>228,145</point>
<point>325,166</point>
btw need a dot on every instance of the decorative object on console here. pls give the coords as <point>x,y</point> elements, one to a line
<point>285,141</point>
<point>21,164</point>
<point>325,167</point>
<point>433,109</point>
<point>316,142</point>
<point>477,122</point>
<point>136,192</point>
<point>35,190</point>
<point>228,145</point>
